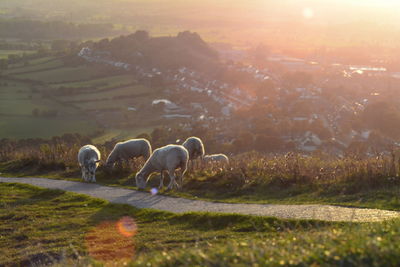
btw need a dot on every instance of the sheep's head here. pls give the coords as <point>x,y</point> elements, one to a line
<point>92,166</point>
<point>140,180</point>
<point>109,163</point>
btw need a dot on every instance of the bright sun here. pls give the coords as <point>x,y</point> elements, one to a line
<point>308,13</point>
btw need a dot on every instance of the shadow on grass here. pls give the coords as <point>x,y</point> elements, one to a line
<point>37,196</point>
<point>208,221</point>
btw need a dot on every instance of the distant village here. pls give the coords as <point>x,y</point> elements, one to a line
<point>318,119</point>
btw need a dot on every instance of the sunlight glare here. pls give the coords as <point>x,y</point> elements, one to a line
<point>127,226</point>
<point>308,13</point>
<point>107,244</point>
<point>154,191</point>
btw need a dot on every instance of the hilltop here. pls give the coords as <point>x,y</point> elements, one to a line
<point>167,53</point>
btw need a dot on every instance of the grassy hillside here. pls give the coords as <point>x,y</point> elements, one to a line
<point>41,226</point>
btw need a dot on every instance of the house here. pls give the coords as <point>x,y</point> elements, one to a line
<point>176,116</point>
<point>309,142</point>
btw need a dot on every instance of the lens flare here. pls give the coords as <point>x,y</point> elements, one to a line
<point>127,226</point>
<point>110,244</point>
<point>154,191</point>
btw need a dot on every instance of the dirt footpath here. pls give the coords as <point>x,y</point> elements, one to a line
<point>180,205</point>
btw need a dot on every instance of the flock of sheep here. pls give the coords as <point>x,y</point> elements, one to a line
<point>168,158</point>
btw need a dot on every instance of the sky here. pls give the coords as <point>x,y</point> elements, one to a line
<point>306,22</point>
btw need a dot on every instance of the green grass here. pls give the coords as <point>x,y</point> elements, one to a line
<point>40,225</point>
<point>36,61</point>
<point>82,96</point>
<point>17,103</point>
<point>61,75</point>
<point>19,99</point>
<point>5,53</point>
<point>42,127</point>
<point>118,134</point>
<point>36,66</point>
<point>250,178</point>
<point>110,94</point>
<point>102,83</point>
<point>379,198</point>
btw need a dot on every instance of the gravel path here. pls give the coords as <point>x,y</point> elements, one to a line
<point>180,205</point>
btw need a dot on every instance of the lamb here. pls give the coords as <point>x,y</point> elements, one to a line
<point>168,158</point>
<point>217,158</point>
<point>123,151</point>
<point>89,158</point>
<point>195,147</point>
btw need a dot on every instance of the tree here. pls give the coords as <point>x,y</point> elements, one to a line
<point>140,36</point>
<point>383,116</point>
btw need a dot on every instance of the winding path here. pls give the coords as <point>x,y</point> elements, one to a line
<point>180,205</point>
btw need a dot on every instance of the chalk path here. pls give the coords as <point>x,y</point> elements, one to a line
<point>180,205</point>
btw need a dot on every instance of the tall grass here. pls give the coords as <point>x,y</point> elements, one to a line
<point>254,172</point>
<point>246,171</point>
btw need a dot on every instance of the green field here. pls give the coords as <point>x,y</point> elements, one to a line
<point>5,53</point>
<point>48,226</point>
<point>35,66</point>
<point>101,83</point>
<point>84,98</point>
<point>17,103</point>
<point>30,127</point>
<point>60,75</point>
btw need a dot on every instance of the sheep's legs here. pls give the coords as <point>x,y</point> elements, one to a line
<point>84,175</point>
<point>173,182</point>
<point>183,171</point>
<point>191,165</point>
<point>161,180</point>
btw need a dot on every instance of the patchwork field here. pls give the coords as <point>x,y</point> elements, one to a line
<point>81,99</point>
<point>35,66</point>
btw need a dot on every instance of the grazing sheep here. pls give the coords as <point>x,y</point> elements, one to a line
<point>167,158</point>
<point>89,158</point>
<point>123,151</point>
<point>195,147</point>
<point>217,158</point>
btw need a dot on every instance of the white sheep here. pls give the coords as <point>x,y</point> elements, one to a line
<point>216,158</point>
<point>168,158</point>
<point>89,158</point>
<point>195,147</point>
<point>123,151</point>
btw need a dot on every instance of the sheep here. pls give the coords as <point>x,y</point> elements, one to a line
<point>217,158</point>
<point>167,158</point>
<point>195,147</point>
<point>123,151</point>
<point>89,158</point>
